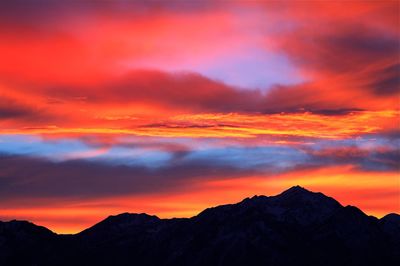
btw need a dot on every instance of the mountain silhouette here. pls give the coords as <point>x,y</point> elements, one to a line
<point>296,227</point>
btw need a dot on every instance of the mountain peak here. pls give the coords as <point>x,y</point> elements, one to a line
<point>24,226</point>
<point>296,205</point>
<point>298,193</point>
<point>302,206</point>
<point>126,216</point>
<point>121,222</point>
<point>391,217</point>
<point>296,189</point>
<point>301,195</point>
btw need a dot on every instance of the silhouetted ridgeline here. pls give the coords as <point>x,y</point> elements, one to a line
<point>297,227</point>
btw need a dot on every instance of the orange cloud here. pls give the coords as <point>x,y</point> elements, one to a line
<point>92,48</point>
<point>234,125</point>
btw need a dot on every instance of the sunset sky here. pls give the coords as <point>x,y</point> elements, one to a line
<point>170,107</point>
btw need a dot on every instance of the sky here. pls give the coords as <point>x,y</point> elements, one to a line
<point>170,107</point>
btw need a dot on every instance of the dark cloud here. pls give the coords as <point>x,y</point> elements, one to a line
<point>35,177</point>
<point>392,134</point>
<point>205,95</point>
<point>185,125</point>
<point>357,48</point>
<point>179,90</point>
<point>366,55</point>
<point>311,109</point>
<point>380,159</point>
<point>28,176</point>
<point>305,97</point>
<point>41,12</point>
<point>348,47</point>
<point>10,109</point>
<point>24,176</point>
<point>387,80</point>
<point>339,111</point>
<point>7,112</point>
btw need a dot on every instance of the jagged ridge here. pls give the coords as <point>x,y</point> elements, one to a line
<point>296,227</point>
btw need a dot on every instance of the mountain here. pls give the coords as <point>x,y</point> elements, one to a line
<point>20,242</point>
<point>296,227</point>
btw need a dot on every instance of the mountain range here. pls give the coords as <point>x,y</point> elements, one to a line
<point>296,227</point>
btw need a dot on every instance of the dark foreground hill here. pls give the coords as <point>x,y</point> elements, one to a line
<point>297,227</point>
